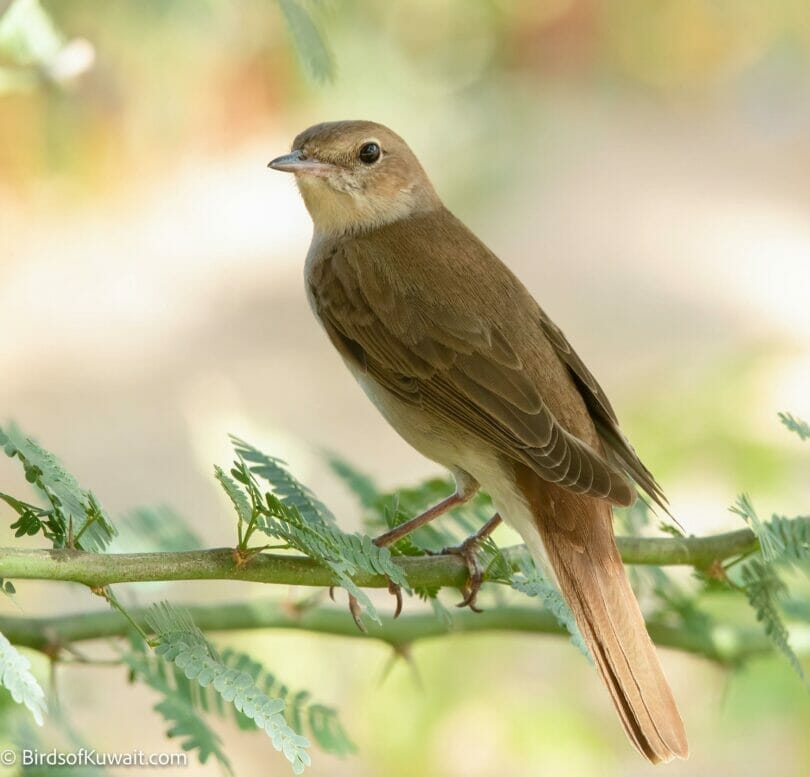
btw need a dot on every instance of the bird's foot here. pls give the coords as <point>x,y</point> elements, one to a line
<point>465,491</point>
<point>395,589</point>
<point>468,550</point>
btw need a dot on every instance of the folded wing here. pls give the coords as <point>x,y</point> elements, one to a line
<point>453,362</point>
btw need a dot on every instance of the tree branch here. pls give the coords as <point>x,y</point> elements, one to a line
<point>725,644</point>
<point>100,569</point>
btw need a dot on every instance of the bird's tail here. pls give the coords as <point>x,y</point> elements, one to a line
<point>577,535</point>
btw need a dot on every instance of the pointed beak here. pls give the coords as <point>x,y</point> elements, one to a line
<point>296,162</point>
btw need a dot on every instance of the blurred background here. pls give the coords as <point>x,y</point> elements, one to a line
<point>643,167</point>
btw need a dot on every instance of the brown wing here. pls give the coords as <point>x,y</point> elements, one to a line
<point>616,444</point>
<point>446,353</point>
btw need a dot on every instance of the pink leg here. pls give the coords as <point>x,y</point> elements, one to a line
<point>465,491</point>
<point>398,532</point>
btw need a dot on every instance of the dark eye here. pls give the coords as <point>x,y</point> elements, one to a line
<point>369,153</point>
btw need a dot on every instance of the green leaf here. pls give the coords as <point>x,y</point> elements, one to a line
<point>796,425</point>
<point>359,483</point>
<point>531,582</point>
<point>792,538</point>
<point>292,492</point>
<point>798,609</point>
<point>781,539</point>
<point>671,529</point>
<point>167,622</point>
<point>327,730</point>
<point>431,596</point>
<point>235,494</point>
<point>763,589</point>
<point>184,645</point>
<point>345,554</point>
<point>185,724</point>
<point>322,724</point>
<point>386,510</point>
<point>634,518</point>
<point>294,515</point>
<point>309,44</point>
<point>769,542</point>
<point>32,519</point>
<point>155,528</point>
<point>16,676</point>
<point>70,504</point>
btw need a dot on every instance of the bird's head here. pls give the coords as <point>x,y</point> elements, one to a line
<point>356,175</point>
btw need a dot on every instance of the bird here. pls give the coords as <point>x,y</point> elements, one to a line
<point>464,364</point>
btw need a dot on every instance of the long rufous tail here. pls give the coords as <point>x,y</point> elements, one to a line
<point>577,534</point>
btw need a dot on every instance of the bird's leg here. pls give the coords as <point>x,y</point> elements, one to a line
<point>467,551</point>
<point>398,532</point>
<point>466,488</point>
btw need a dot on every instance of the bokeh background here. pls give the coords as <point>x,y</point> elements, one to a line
<point>644,167</point>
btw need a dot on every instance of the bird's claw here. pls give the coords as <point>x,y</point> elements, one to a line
<point>356,611</point>
<point>395,589</point>
<point>467,551</point>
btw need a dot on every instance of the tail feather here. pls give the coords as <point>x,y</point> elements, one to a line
<point>577,535</point>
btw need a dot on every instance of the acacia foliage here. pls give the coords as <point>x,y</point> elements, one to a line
<point>194,680</point>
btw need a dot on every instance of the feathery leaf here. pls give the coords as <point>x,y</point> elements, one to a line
<point>781,539</point>
<point>155,528</point>
<point>634,518</point>
<point>796,425</point>
<point>359,483</point>
<point>769,542</point>
<point>763,588</point>
<point>323,724</point>
<point>309,44</point>
<point>345,554</point>
<point>16,676</point>
<point>531,582</point>
<point>176,708</point>
<point>294,515</point>
<point>184,645</point>
<point>792,537</point>
<point>71,505</point>
<point>292,492</point>
<point>240,502</point>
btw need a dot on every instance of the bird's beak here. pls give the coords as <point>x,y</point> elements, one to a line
<point>296,162</point>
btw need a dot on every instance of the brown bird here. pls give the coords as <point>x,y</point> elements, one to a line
<point>467,368</point>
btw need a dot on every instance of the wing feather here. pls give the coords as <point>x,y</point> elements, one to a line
<point>457,365</point>
<point>615,443</point>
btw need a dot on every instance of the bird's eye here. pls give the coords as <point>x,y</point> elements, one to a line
<point>369,153</point>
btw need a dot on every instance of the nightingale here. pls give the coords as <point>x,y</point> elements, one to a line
<point>461,360</point>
